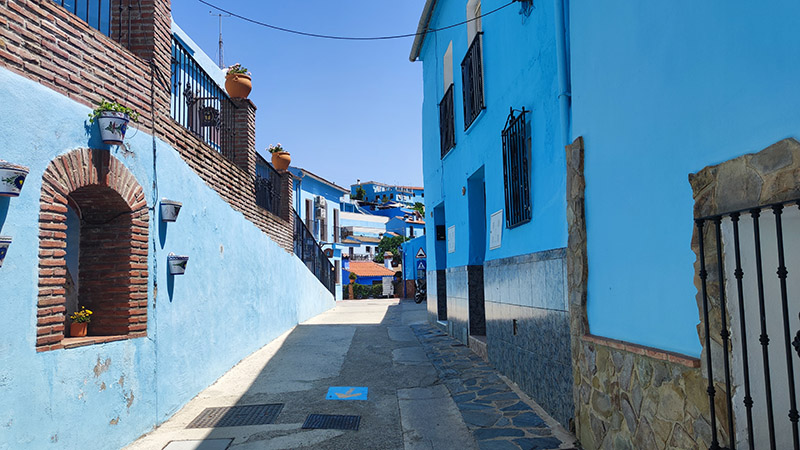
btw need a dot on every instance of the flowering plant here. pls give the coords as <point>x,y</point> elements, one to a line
<point>114,107</point>
<point>276,148</point>
<point>84,315</point>
<point>237,68</point>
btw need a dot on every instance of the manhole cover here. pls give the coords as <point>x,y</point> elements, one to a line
<point>234,416</point>
<point>332,422</point>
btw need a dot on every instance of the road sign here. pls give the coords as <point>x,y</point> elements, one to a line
<point>422,265</point>
<point>347,393</point>
<point>421,253</point>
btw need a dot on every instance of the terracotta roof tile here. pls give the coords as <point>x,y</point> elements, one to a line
<point>369,269</point>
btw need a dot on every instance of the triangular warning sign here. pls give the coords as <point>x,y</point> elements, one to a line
<point>421,253</point>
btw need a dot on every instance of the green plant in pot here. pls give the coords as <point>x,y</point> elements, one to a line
<point>112,118</point>
<point>280,157</point>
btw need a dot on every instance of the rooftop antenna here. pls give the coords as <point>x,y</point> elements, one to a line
<point>221,57</point>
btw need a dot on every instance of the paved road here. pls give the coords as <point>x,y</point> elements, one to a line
<point>425,391</point>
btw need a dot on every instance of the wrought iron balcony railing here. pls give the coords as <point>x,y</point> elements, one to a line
<point>309,251</point>
<point>268,189</point>
<point>199,104</point>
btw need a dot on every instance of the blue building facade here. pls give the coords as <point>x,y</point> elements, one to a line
<point>376,192</point>
<point>409,227</point>
<point>493,77</point>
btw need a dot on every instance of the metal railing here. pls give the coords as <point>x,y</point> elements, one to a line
<point>309,251</point>
<point>97,13</point>
<point>472,78</point>
<point>755,248</point>
<point>516,170</point>
<point>447,127</point>
<point>199,104</point>
<point>268,190</point>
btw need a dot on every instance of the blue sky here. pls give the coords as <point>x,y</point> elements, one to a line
<point>345,110</point>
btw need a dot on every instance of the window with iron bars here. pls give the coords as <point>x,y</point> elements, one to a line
<point>472,81</point>
<point>447,126</point>
<point>516,170</point>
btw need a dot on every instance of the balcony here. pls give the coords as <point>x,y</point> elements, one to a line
<point>199,104</point>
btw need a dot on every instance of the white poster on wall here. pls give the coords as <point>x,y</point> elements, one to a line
<point>496,230</point>
<point>451,239</point>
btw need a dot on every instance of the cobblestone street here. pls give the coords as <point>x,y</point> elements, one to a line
<point>425,391</point>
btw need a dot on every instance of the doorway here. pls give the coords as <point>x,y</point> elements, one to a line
<point>476,191</point>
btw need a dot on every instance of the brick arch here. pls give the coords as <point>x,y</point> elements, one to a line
<point>114,248</point>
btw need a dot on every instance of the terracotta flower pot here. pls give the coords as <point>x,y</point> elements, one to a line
<point>238,85</point>
<point>12,177</point>
<point>78,329</point>
<point>281,160</point>
<point>113,126</point>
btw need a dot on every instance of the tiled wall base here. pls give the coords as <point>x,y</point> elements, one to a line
<point>527,327</point>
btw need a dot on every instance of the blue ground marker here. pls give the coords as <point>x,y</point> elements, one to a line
<point>347,393</point>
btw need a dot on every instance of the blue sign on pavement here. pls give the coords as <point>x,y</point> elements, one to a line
<point>346,393</point>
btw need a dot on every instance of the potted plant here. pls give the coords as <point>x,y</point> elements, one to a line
<point>5,241</point>
<point>237,81</point>
<point>112,118</point>
<point>80,322</point>
<point>177,264</point>
<point>280,157</point>
<point>12,177</point>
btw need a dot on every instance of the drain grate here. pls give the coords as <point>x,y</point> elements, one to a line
<point>332,422</point>
<point>234,416</point>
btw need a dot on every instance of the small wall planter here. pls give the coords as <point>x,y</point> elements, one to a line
<point>177,264</point>
<point>170,210</point>
<point>281,160</point>
<point>5,241</point>
<point>238,85</point>
<point>12,177</point>
<point>113,126</point>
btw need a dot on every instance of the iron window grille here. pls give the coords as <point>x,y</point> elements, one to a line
<point>516,170</point>
<point>447,125</point>
<point>472,81</point>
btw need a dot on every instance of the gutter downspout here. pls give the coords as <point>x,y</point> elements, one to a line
<point>564,94</point>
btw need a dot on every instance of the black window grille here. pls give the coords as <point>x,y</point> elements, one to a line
<point>447,126</point>
<point>516,170</point>
<point>199,104</point>
<point>97,13</point>
<point>472,81</point>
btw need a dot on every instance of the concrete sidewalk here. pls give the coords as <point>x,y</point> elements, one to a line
<point>412,374</point>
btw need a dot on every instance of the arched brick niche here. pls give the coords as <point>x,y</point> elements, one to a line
<point>92,202</point>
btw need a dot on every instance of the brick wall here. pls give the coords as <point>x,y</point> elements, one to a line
<point>44,42</point>
<point>113,253</point>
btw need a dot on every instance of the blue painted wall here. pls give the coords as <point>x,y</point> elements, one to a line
<point>519,71</point>
<point>684,85</point>
<point>403,228</point>
<point>241,290</point>
<point>374,192</point>
<point>410,260</point>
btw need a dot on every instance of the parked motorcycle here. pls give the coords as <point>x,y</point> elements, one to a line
<point>421,292</point>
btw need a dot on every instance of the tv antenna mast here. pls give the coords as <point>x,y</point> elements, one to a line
<point>221,57</point>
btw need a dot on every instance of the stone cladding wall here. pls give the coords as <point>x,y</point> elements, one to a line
<point>626,396</point>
